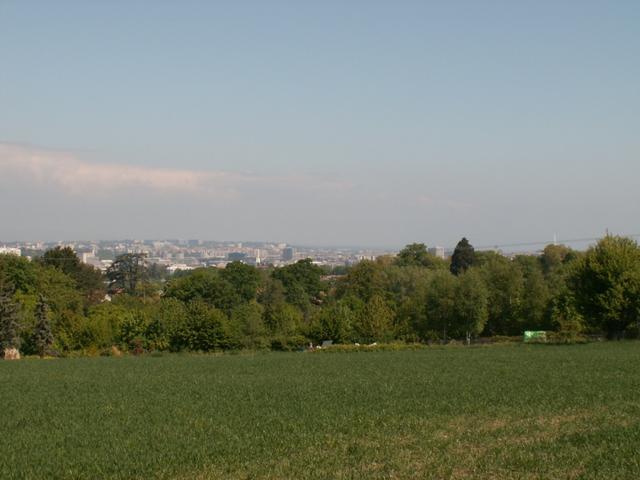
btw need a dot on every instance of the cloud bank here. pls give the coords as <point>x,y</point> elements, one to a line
<point>75,176</point>
<point>54,194</point>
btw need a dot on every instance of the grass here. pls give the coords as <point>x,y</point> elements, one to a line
<point>497,412</point>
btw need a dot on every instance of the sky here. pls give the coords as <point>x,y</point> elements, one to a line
<point>373,123</point>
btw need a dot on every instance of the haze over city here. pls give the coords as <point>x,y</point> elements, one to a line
<point>331,123</point>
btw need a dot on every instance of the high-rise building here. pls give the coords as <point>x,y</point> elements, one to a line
<point>437,252</point>
<point>287,254</point>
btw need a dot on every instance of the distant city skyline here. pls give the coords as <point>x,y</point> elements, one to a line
<point>436,249</point>
<point>328,123</point>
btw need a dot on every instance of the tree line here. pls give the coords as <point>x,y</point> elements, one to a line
<point>56,305</point>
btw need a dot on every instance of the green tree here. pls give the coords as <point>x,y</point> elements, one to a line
<point>364,281</point>
<point>134,329</point>
<point>284,319</point>
<point>505,282</point>
<point>536,297</point>
<point>19,272</point>
<point>103,325</point>
<point>245,279</point>
<point>42,334</point>
<point>127,271</point>
<point>9,317</point>
<point>553,256</point>
<point>206,328</point>
<point>567,321</point>
<point>205,284</point>
<point>62,258</point>
<point>168,318</point>
<point>334,322</point>
<point>88,279</point>
<point>374,322</point>
<point>406,287</point>
<point>301,281</point>
<point>247,328</point>
<point>440,303</point>
<point>417,255</point>
<point>606,285</point>
<point>66,304</point>
<point>471,304</point>
<point>463,257</point>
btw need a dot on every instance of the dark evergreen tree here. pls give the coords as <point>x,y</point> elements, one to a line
<point>9,319</point>
<point>127,271</point>
<point>463,257</point>
<point>42,335</point>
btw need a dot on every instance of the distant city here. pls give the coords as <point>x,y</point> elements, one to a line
<point>175,254</point>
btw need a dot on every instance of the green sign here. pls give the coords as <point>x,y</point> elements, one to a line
<point>535,336</point>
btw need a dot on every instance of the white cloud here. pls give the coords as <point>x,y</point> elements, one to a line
<point>75,176</point>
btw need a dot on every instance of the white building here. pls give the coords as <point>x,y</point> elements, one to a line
<point>10,251</point>
<point>437,252</point>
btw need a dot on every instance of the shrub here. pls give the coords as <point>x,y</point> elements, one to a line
<point>289,343</point>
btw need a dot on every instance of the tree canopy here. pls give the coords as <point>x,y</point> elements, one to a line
<point>463,257</point>
<point>407,298</point>
<point>606,285</point>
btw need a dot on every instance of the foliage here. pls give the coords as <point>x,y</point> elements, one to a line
<point>127,271</point>
<point>334,322</point>
<point>606,285</point>
<point>245,279</point>
<point>42,334</point>
<point>284,318</point>
<point>103,326</point>
<point>87,278</point>
<point>536,296</point>
<point>9,319</point>
<point>440,303</point>
<point>553,256</point>
<point>206,328</point>
<point>505,282</point>
<point>374,322</point>
<point>206,284</point>
<point>302,283</point>
<point>247,328</point>
<point>463,257</point>
<point>416,255</point>
<point>407,298</point>
<point>19,272</point>
<point>364,281</point>
<point>568,323</point>
<point>471,304</point>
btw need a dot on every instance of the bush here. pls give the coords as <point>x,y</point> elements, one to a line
<point>565,337</point>
<point>289,343</point>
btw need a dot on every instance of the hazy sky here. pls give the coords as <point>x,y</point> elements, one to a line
<point>319,122</point>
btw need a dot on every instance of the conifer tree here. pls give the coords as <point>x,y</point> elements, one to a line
<point>463,257</point>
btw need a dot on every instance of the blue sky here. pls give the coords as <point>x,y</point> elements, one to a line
<point>360,122</point>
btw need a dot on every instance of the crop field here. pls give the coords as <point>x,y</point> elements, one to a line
<point>444,412</point>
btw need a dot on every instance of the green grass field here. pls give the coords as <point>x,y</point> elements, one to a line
<point>489,412</point>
